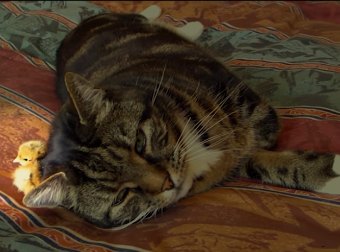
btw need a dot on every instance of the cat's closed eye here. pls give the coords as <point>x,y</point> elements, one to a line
<point>121,196</point>
<point>140,142</point>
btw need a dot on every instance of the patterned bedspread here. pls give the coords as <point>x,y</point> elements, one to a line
<point>287,51</point>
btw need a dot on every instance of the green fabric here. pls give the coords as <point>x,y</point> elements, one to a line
<point>296,71</point>
<point>39,34</point>
<point>12,240</point>
<point>308,72</point>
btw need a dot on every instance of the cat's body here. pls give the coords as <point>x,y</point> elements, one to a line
<point>153,118</point>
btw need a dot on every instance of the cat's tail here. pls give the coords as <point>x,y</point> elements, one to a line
<point>295,169</point>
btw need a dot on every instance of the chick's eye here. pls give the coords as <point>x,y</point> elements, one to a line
<point>140,142</point>
<point>25,159</point>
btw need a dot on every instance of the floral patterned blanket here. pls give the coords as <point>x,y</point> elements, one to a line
<point>287,51</point>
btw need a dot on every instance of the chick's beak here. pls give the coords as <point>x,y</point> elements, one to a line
<point>16,160</point>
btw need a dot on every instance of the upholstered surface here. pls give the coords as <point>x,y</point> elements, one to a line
<point>287,51</point>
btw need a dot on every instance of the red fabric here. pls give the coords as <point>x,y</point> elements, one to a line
<point>245,216</point>
<point>309,134</point>
<point>22,77</point>
<point>328,11</point>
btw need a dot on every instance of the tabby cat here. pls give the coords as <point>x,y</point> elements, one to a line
<point>148,118</point>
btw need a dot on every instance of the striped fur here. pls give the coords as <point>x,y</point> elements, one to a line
<point>149,118</point>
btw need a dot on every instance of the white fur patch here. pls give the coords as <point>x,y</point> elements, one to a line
<point>151,13</point>
<point>333,185</point>
<point>336,164</point>
<point>200,159</point>
<point>191,30</point>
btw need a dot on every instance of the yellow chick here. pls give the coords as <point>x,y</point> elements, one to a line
<point>27,176</point>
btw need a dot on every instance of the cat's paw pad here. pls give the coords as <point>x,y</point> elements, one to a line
<point>152,12</point>
<point>331,187</point>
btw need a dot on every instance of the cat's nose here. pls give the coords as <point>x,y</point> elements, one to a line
<point>168,184</point>
<point>155,183</point>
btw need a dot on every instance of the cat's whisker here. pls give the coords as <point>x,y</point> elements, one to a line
<point>198,155</point>
<point>210,148</point>
<point>181,135</point>
<point>196,136</point>
<point>220,136</point>
<point>218,106</point>
<point>137,219</point>
<point>137,80</point>
<point>156,91</point>
<point>196,90</point>
<point>209,116</point>
<point>212,113</point>
<point>153,214</point>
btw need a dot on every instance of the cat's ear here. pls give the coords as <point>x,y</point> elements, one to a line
<point>87,100</point>
<point>50,193</point>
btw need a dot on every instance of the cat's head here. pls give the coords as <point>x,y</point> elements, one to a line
<point>116,156</point>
